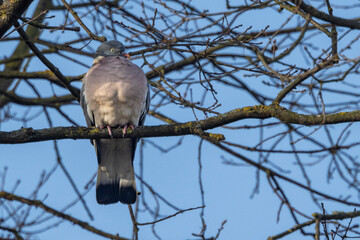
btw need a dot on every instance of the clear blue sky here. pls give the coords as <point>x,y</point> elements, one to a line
<point>228,189</point>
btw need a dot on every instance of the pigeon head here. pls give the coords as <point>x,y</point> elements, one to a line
<point>111,48</point>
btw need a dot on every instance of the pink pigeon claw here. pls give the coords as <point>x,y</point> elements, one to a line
<point>124,130</point>
<point>109,130</point>
<point>126,126</point>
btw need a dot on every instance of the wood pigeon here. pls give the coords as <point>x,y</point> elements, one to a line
<point>115,94</point>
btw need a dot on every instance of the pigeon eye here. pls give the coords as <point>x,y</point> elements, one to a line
<point>112,50</point>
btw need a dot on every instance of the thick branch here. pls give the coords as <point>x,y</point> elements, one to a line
<point>10,11</point>
<point>326,17</point>
<point>25,135</point>
<point>55,101</point>
<point>20,50</point>
<point>48,75</point>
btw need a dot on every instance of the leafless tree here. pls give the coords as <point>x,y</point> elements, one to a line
<point>271,85</point>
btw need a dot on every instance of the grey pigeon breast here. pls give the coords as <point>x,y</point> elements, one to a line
<point>116,90</point>
<point>115,93</point>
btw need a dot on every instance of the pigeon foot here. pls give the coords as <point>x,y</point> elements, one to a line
<point>125,127</point>
<point>109,130</point>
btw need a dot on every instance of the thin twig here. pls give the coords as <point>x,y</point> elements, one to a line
<point>135,224</point>
<point>75,15</point>
<point>170,216</point>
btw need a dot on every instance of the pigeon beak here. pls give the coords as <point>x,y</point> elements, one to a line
<point>126,55</point>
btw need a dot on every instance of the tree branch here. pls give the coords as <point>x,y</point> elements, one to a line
<point>74,91</point>
<point>326,17</point>
<point>26,135</point>
<point>36,203</point>
<point>335,216</point>
<point>10,12</point>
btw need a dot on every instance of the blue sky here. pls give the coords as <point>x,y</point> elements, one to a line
<point>228,189</point>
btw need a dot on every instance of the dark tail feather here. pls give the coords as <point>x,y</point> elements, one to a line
<point>127,195</point>
<point>108,192</point>
<point>115,180</point>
